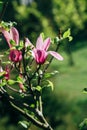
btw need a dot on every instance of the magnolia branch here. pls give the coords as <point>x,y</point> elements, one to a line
<point>42,123</point>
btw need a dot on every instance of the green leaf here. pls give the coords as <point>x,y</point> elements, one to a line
<point>11,82</point>
<point>20,79</point>
<point>38,88</point>
<point>2,74</point>
<point>25,124</point>
<point>3,83</point>
<point>67,34</point>
<point>32,105</point>
<point>20,46</point>
<point>70,38</point>
<point>48,75</point>
<point>83,124</point>
<point>50,84</point>
<point>56,40</point>
<point>7,25</point>
<point>6,62</point>
<point>12,42</point>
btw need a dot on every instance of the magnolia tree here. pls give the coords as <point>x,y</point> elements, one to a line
<point>29,62</point>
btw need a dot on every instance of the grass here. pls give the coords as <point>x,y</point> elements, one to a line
<point>71,80</point>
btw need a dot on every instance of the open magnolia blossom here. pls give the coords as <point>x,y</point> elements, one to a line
<point>15,55</point>
<point>40,52</point>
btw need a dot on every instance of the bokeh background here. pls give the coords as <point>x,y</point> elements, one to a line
<point>65,107</point>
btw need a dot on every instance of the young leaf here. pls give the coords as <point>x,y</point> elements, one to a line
<point>7,25</point>
<point>56,40</point>
<point>38,88</point>
<point>25,124</point>
<point>32,105</point>
<point>19,79</point>
<point>3,83</point>
<point>83,124</point>
<point>12,42</point>
<point>11,82</point>
<point>48,75</point>
<point>67,34</point>
<point>2,74</point>
<point>50,84</point>
<point>6,62</point>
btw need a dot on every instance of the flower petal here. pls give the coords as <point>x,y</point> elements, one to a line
<point>39,42</point>
<point>39,56</point>
<point>28,43</point>
<point>14,35</point>
<point>56,55</point>
<point>7,36</point>
<point>46,44</point>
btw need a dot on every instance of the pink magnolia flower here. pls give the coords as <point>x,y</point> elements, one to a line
<point>15,55</point>
<point>40,53</point>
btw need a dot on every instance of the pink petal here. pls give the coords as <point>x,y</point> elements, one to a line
<point>39,56</point>
<point>46,44</point>
<point>14,35</point>
<point>7,36</point>
<point>39,42</point>
<point>34,52</point>
<point>28,43</point>
<point>56,55</point>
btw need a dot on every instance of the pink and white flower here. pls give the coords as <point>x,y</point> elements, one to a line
<point>40,52</point>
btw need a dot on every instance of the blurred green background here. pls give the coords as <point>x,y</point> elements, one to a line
<point>66,106</point>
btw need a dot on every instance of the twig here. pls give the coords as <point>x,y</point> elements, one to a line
<point>11,88</point>
<point>3,9</point>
